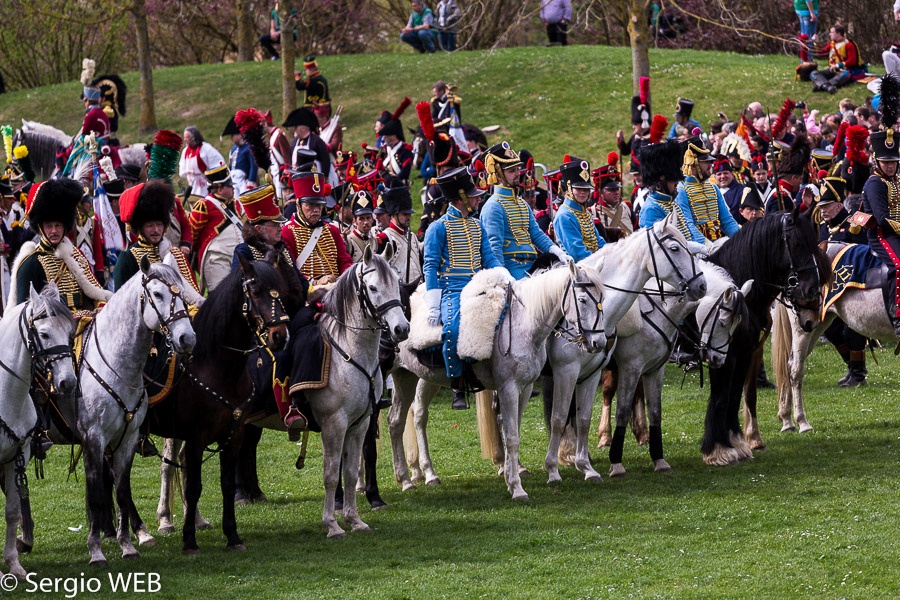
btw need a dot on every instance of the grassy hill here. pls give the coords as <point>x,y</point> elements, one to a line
<point>552,101</point>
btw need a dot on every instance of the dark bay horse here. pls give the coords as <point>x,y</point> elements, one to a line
<point>207,404</point>
<point>780,253</point>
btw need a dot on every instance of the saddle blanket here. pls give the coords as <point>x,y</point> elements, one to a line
<point>481,306</point>
<point>311,359</point>
<point>421,334</point>
<point>850,266</point>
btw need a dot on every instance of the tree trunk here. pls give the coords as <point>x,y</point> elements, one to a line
<point>288,89</point>
<point>639,33</point>
<point>147,122</point>
<point>246,30</point>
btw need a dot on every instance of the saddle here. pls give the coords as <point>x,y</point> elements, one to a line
<point>311,359</point>
<point>481,307</point>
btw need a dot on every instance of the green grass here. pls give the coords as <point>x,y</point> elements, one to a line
<point>811,517</point>
<point>551,100</point>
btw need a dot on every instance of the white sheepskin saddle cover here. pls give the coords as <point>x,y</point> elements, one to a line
<point>421,334</point>
<point>481,304</point>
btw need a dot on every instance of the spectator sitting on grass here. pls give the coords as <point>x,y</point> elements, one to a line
<point>418,32</point>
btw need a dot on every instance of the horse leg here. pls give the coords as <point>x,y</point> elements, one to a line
<point>370,458</point>
<point>192,463</point>
<point>563,388</point>
<point>333,434</point>
<point>784,344</point>
<point>110,531</point>
<point>25,542</point>
<point>610,382</point>
<point>13,513</point>
<point>228,461</point>
<point>425,393</point>
<point>751,426</point>
<point>652,384</point>
<point>639,415</point>
<point>199,521</point>
<point>404,386</point>
<point>628,380</point>
<point>122,460</point>
<point>247,488</point>
<point>584,405</point>
<point>97,496</point>
<point>509,400</point>
<point>724,384</point>
<point>804,347</point>
<point>353,447</point>
<point>166,478</point>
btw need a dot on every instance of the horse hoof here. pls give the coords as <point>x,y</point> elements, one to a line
<point>201,524</point>
<point>131,555</point>
<point>593,477</point>
<point>361,528</point>
<point>147,542</point>
<point>378,505</point>
<point>242,500</point>
<point>523,472</point>
<point>520,497</point>
<point>804,427</point>
<point>433,481</point>
<point>337,534</point>
<point>166,529</point>
<point>190,551</point>
<point>236,548</point>
<point>554,479</point>
<point>661,466</point>
<point>758,446</point>
<point>19,572</point>
<point>604,442</point>
<point>617,470</point>
<point>22,547</point>
<point>409,486</point>
<point>100,563</point>
<point>788,427</point>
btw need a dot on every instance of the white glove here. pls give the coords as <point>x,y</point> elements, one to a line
<point>433,304</point>
<point>697,248</point>
<point>508,276</point>
<point>559,253</point>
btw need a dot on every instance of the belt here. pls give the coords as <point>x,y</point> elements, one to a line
<point>456,273</point>
<point>520,257</point>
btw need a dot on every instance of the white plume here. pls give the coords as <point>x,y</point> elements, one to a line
<point>87,71</point>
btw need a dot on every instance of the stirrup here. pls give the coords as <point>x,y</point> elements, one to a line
<point>146,447</point>
<point>296,424</point>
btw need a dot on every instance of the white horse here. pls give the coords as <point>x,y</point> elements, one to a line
<point>365,300</point>
<point>37,339</point>
<point>659,252</point>
<point>643,356</point>
<point>862,310</point>
<point>114,402</point>
<point>536,305</point>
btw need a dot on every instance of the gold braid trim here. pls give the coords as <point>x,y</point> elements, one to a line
<point>463,244</point>
<point>705,206</point>
<point>588,230</point>
<point>323,260</point>
<point>517,213</point>
<point>893,196</point>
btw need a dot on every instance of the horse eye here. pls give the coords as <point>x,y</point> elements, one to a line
<point>372,288</point>
<point>674,247</point>
<point>157,295</point>
<point>45,335</point>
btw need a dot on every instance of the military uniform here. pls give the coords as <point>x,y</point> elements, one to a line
<point>574,226</point>
<point>357,242</point>
<point>700,201</point>
<point>316,87</point>
<point>456,247</point>
<point>407,259</point>
<point>216,230</point>
<point>515,237</point>
<point>661,165</point>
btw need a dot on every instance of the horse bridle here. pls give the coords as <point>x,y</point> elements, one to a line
<point>42,359</point>
<point>254,317</point>
<point>793,280</point>
<point>376,313</point>
<point>147,299</point>
<point>581,331</point>
<point>685,281</point>
<point>704,347</point>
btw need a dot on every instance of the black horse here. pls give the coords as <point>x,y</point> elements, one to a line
<point>780,253</point>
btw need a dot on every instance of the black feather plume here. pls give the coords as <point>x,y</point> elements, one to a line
<point>890,100</point>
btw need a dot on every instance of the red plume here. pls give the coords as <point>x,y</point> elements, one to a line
<point>326,189</point>
<point>749,129</point>
<point>856,144</point>
<point>612,158</point>
<point>245,119</point>
<point>658,128</point>
<point>644,90</point>
<point>252,125</point>
<point>839,139</point>
<point>403,105</point>
<point>567,158</point>
<point>822,174</point>
<point>804,49</point>
<point>364,145</point>
<point>782,119</point>
<point>167,138</point>
<point>423,109</point>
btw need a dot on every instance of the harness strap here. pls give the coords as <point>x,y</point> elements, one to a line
<point>349,359</point>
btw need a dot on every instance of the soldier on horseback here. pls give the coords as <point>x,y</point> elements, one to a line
<point>216,228</point>
<point>707,216</point>
<point>360,236</point>
<point>574,227</point>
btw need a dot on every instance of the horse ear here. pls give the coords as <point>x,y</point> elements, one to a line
<point>745,289</point>
<point>728,295</point>
<point>367,254</point>
<point>145,265</point>
<point>244,264</point>
<point>33,296</point>
<point>388,252</point>
<point>572,268</point>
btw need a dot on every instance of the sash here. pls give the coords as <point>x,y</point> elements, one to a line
<point>228,214</point>
<point>392,158</point>
<point>195,153</point>
<point>309,247</point>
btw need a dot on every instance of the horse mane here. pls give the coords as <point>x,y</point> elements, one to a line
<point>337,301</point>
<point>717,278</point>
<point>54,308</point>
<point>42,149</point>
<point>542,292</point>
<point>220,315</point>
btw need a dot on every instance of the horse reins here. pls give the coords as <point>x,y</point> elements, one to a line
<point>253,315</point>
<point>581,331</point>
<point>685,281</point>
<point>793,278</point>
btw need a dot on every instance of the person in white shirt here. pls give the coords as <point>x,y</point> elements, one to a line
<point>197,157</point>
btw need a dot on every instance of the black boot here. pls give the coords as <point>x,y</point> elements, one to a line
<point>844,351</point>
<point>762,382</point>
<point>146,446</point>
<point>856,376</point>
<point>459,400</point>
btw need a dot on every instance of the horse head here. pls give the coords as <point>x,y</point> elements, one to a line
<point>49,329</point>
<point>163,308</point>
<point>583,309</point>
<point>379,293</point>
<point>263,309</point>
<point>806,266</point>
<point>718,315</point>
<point>671,261</point>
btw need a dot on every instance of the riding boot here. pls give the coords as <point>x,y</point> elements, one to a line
<point>844,351</point>
<point>459,400</point>
<point>858,371</point>
<point>820,84</point>
<point>762,382</point>
<point>387,398</point>
<point>291,416</point>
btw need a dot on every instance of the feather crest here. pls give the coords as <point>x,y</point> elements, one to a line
<point>612,158</point>
<point>658,128</point>
<point>423,109</point>
<point>87,71</point>
<point>403,105</point>
<point>252,125</point>
<point>838,147</point>
<point>644,90</point>
<point>781,121</point>
<point>856,144</point>
<point>890,100</point>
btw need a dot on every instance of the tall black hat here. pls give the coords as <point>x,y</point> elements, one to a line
<point>55,200</point>
<point>441,147</point>
<point>363,203</point>
<point>145,202</point>
<point>218,176</point>
<point>458,185</point>
<point>112,97</point>
<point>302,116</point>
<point>498,157</point>
<point>231,128</point>
<point>306,159</point>
<point>393,126</point>
<point>684,108</point>
<point>833,189</point>
<point>750,198</point>
<point>796,158</point>
<point>855,174</point>
<point>114,188</point>
<point>396,199</point>
<point>576,173</point>
<point>660,161</point>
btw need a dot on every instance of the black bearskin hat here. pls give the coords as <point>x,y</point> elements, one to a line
<point>151,201</point>
<point>795,160</point>
<point>660,161</point>
<point>55,200</point>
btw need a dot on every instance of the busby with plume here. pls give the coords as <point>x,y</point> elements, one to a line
<point>661,162</point>
<point>609,172</point>
<point>441,147</point>
<point>886,143</point>
<point>145,202</point>
<point>54,200</point>
<point>251,124</point>
<point>393,126</point>
<point>640,104</point>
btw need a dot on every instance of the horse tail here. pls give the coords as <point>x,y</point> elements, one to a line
<point>782,340</point>
<point>410,440</point>
<point>488,432</point>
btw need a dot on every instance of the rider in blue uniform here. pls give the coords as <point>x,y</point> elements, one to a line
<point>515,237</point>
<point>661,172</point>
<point>574,225</point>
<point>456,247</point>
<point>701,202</point>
